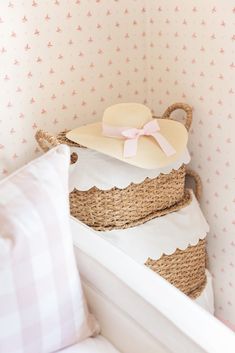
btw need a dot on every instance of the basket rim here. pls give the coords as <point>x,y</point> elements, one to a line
<point>186,200</point>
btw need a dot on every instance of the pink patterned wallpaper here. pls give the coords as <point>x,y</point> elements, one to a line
<point>63,61</point>
<point>191,56</point>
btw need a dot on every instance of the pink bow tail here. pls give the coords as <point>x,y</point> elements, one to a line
<point>167,148</point>
<point>131,145</point>
<point>130,148</point>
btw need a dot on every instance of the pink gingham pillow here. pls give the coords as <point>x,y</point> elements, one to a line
<point>42,308</point>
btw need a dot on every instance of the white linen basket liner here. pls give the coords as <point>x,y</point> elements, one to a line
<point>104,172</point>
<point>162,235</point>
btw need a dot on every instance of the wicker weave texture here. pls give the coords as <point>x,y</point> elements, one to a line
<point>185,269</point>
<point>124,208</point>
<point>134,205</point>
<point>114,208</point>
<point>186,200</point>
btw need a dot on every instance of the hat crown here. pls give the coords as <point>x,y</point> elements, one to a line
<point>127,114</point>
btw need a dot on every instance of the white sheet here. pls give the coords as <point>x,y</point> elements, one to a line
<point>91,345</point>
<point>162,235</point>
<point>96,169</point>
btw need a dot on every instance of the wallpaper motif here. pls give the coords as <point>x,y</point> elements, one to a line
<point>191,55</point>
<point>62,62</point>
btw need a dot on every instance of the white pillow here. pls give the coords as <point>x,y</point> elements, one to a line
<point>42,308</point>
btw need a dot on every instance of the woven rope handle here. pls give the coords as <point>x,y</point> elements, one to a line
<point>47,141</point>
<point>197,181</point>
<point>188,110</point>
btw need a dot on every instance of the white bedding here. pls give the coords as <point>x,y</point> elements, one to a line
<point>91,345</point>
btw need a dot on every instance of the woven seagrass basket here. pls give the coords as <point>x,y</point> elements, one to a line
<point>185,269</point>
<point>137,203</point>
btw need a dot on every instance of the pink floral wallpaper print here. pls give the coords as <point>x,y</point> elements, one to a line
<point>191,56</point>
<point>63,61</point>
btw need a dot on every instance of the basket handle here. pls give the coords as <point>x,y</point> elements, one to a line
<point>197,181</point>
<point>47,141</point>
<point>188,110</point>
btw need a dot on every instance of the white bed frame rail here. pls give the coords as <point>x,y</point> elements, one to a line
<point>139,311</point>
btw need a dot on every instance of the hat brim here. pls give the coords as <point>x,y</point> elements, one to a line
<point>149,155</point>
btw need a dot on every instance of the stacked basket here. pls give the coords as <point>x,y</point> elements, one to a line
<point>143,196</point>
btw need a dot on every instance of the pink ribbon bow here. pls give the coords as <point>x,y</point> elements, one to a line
<point>132,135</point>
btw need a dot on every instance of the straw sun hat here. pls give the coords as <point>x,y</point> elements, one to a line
<point>129,133</point>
